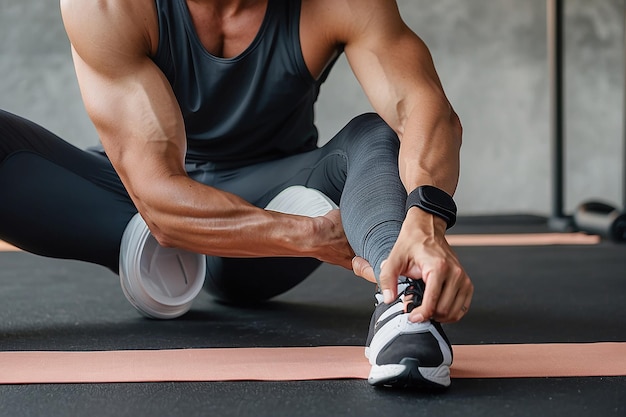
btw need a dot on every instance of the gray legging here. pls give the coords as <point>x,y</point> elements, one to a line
<point>59,201</point>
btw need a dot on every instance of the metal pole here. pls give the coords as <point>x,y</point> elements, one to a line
<point>624,120</point>
<point>556,78</point>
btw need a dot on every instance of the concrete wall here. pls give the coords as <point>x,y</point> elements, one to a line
<point>491,56</point>
<point>37,78</point>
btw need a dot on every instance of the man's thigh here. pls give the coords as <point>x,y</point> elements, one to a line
<point>58,200</point>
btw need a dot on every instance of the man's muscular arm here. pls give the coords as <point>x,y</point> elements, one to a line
<point>397,73</point>
<point>142,131</point>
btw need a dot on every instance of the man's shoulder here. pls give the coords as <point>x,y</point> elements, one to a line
<point>120,22</point>
<point>111,11</point>
<point>343,19</point>
<point>107,5</point>
<point>348,9</point>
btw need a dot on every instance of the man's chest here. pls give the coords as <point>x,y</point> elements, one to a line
<point>228,34</point>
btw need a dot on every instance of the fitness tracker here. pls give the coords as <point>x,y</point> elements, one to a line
<point>434,201</point>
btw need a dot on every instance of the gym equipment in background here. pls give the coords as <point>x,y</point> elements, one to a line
<point>592,216</point>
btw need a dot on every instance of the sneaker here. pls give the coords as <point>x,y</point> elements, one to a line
<point>161,283</point>
<point>406,354</point>
<point>301,200</point>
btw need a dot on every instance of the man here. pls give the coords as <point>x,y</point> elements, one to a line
<point>205,111</point>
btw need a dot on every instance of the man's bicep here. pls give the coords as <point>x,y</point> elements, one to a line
<point>132,107</point>
<point>124,92</point>
<point>136,116</point>
<point>395,69</point>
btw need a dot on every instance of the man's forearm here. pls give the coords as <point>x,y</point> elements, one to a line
<point>430,146</point>
<point>184,213</point>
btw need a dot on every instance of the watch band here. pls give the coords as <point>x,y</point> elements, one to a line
<point>434,201</point>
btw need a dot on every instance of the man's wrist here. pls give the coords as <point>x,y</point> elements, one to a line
<point>434,201</point>
<point>427,223</point>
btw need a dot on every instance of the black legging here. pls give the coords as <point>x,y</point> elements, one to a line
<point>59,201</point>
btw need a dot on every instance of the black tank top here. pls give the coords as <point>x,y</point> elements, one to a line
<point>250,108</point>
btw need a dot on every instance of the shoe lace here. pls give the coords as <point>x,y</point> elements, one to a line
<point>413,294</point>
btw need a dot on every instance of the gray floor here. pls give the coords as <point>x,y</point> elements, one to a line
<point>523,295</point>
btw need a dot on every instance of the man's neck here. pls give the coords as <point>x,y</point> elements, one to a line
<point>227,7</point>
<point>226,27</point>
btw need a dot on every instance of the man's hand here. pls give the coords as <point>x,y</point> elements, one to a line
<point>422,251</point>
<point>332,244</point>
<point>363,269</point>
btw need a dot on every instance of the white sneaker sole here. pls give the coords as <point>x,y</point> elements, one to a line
<point>302,201</point>
<point>407,373</point>
<point>161,283</point>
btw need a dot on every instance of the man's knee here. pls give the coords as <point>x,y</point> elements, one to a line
<point>371,133</point>
<point>372,122</point>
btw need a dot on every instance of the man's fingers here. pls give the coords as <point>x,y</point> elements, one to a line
<point>390,270</point>
<point>455,309</point>
<point>363,269</point>
<point>464,301</point>
<point>432,293</point>
<point>444,300</point>
<point>388,281</point>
